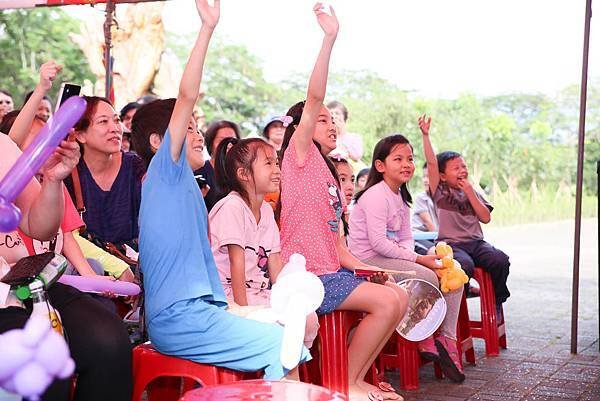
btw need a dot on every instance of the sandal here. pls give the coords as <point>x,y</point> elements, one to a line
<point>450,359</point>
<point>428,350</point>
<point>388,389</point>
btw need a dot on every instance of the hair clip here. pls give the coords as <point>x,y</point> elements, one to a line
<point>286,120</point>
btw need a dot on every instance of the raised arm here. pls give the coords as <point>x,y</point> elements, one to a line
<point>20,128</point>
<point>192,76</point>
<point>317,84</point>
<point>432,165</point>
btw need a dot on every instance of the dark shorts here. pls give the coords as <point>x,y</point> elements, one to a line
<point>338,286</point>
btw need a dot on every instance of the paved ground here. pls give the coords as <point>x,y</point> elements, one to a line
<point>538,365</point>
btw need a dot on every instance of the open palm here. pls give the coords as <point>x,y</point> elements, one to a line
<point>209,14</point>
<point>328,23</point>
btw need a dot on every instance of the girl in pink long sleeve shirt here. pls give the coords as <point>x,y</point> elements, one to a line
<point>380,235</point>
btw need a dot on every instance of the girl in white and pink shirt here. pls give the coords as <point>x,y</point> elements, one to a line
<point>244,234</point>
<point>380,235</point>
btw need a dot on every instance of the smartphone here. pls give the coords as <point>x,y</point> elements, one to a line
<point>66,91</point>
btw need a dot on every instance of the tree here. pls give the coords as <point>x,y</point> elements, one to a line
<point>28,38</point>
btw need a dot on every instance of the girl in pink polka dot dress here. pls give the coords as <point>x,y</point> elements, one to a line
<point>310,218</point>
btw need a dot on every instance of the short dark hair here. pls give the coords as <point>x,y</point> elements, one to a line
<point>214,127</point>
<point>363,172</point>
<point>334,104</point>
<point>444,157</point>
<point>5,92</point>
<point>151,118</point>
<point>8,120</point>
<point>28,95</point>
<point>128,107</point>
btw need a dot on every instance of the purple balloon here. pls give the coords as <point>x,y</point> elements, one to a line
<point>100,285</point>
<point>34,157</point>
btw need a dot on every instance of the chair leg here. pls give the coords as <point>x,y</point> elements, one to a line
<point>488,313</point>
<point>409,362</point>
<point>164,389</point>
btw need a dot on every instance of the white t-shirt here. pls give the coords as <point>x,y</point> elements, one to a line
<point>232,223</point>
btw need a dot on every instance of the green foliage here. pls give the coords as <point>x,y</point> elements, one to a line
<point>28,38</point>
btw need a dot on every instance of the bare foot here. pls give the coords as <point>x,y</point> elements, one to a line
<point>357,393</point>
<point>385,390</point>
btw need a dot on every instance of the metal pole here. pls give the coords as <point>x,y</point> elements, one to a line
<point>579,187</point>
<point>110,9</point>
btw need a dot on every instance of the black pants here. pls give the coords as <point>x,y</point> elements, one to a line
<point>481,254</point>
<point>98,342</point>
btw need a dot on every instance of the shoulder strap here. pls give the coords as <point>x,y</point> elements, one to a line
<point>77,189</point>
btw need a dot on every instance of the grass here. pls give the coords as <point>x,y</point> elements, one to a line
<point>547,205</point>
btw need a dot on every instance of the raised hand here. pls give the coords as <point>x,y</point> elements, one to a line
<point>464,184</point>
<point>48,72</point>
<point>209,14</point>
<point>424,124</point>
<point>328,23</point>
<point>61,163</point>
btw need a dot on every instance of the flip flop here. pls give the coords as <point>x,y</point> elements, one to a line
<point>388,389</point>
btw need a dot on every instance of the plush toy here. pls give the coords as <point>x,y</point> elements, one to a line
<point>32,358</point>
<point>450,274</point>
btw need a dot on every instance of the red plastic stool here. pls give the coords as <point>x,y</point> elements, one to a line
<point>333,337</point>
<point>488,328</point>
<point>149,364</point>
<point>402,354</point>
<point>463,331</point>
<point>253,390</point>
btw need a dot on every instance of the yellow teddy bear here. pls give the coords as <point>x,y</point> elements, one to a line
<point>450,274</point>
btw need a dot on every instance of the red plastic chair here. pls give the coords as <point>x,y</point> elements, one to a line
<point>333,337</point>
<point>488,328</point>
<point>150,365</point>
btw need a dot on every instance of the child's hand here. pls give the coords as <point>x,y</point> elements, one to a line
<point>328,23</point>
<point>424,124</point>
<point>48,72</point>
<point>464,184</point>
<point>429,261</point>
<point>209,14</point>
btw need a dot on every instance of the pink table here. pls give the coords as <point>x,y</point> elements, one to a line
<point>257,390</point>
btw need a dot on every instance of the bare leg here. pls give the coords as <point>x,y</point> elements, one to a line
<point>384,310</point>
<point>403,301</point>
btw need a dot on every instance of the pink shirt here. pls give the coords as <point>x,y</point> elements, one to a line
<point>232,223</point>
<point>311,208</point>
<point>380,225</point>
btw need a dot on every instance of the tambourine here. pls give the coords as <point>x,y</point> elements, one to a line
<point>425,312</point>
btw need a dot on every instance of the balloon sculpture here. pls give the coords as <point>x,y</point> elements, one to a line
<point>99,285</point>
<point>32,358</point>
<point>34,157</point>
<point>296,294</point>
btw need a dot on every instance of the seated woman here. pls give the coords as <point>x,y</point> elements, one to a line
<point>109,179</point>
<point>185,302</point>
<point>98,340</point>
<point>24,128</point>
